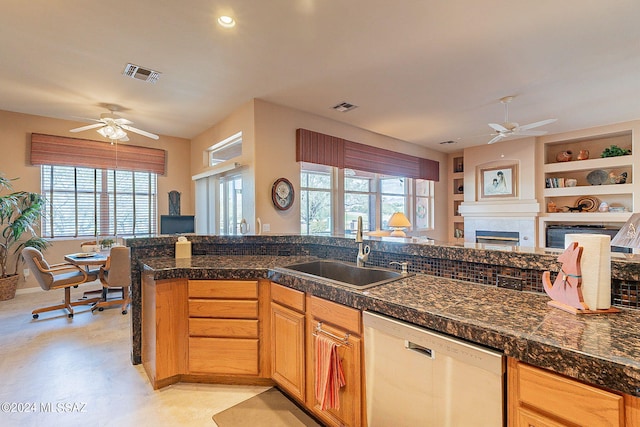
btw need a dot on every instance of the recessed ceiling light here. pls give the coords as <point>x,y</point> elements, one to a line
<point>226,21</point>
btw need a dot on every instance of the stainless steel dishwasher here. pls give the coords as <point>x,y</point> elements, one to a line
<point>416,377</point>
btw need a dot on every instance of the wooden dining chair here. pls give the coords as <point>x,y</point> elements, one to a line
<point>116,273</point>
<point>57,276</point>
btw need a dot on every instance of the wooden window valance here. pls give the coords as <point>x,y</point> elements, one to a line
<point>315,147</point>
<point>65,151</point>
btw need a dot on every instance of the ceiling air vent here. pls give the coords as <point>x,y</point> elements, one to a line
<point>144,74</point>
<point>343,107</point>
<point>447,142</point>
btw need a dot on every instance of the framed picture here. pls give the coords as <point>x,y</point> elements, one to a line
<point>498,182</point>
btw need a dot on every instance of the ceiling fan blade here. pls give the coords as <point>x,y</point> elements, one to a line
<point>537,124</point>
<point>496,139</point>
<point>498,127</point>
<point>139,131</point>
<point>533,132</point>
<point>83,128</point>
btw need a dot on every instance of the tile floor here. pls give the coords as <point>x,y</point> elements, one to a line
<point>78,372</point>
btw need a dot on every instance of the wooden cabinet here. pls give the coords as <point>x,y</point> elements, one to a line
<point>540,398</point>
<point>288,340</point>
<point>164,329</point>
<point>340,322</point>
<point>205,331</point>
<point>456,196</point>
<point>566,183</point>
<point>223,327</point>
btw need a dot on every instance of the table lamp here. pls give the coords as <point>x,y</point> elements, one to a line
<point>397,222</point>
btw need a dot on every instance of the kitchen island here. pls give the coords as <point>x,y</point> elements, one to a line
<point>599,349</point>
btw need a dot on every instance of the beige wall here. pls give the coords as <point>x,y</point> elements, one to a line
<point>521,152</point>
<point>275,147</point>
<point>15,137</point>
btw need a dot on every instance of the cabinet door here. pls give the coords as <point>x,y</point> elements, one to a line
<point>350,396</point>
<point>287,350</point>
<point>561,399</point>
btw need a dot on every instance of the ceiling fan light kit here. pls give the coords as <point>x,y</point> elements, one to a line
<point>114,127</point>
<point>508,128</point>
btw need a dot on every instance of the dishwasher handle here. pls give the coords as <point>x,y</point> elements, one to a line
<point>419,349</point>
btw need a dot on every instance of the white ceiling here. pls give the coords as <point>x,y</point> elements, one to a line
<point>424,71</point>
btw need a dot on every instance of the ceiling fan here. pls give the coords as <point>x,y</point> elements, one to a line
<point>508,128</point>
<point>114,127</point>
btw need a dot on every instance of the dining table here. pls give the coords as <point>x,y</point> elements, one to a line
<point>89,260</point>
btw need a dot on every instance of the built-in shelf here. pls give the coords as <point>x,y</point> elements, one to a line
<point>456,193</point>
<point>589,164</point>
<point>558,173</point>
<point>589,190</point>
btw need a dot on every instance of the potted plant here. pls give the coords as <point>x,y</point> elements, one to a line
<point>20,213</point>
<point>614,151</point>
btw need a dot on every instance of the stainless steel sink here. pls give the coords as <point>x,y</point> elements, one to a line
<point>347,274</point>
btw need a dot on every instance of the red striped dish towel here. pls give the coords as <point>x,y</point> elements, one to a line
<point>329,373</point>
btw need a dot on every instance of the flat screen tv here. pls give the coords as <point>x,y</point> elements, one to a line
<point>177,224</point>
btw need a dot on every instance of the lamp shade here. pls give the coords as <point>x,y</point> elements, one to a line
<point>398,221</point>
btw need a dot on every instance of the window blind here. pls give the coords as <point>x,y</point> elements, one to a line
<point>65,151</point>
<point>315,147</point>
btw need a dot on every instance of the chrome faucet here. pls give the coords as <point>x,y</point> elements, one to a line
<point>363,250</point>
<point>404,266</point>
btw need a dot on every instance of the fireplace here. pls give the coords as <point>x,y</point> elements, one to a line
<point>507,238</point>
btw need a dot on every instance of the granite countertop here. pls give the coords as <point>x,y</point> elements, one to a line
<point>601,349</point>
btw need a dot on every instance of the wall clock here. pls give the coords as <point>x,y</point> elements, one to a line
<point>282,194</point>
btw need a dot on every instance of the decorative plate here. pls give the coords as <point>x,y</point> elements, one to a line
<point>591,203</point>
<point>597,177</point>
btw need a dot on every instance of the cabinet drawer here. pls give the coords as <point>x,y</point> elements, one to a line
<point>335,314</point>
<point>225,309</point>
<point>232,289</point>
<point>223,356</point>
<point>568,399</point>
<point>288,297</point>
<point>240,328</point>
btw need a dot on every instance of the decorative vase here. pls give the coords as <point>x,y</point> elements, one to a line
<point>564,156</point>
<point>583,155</point>
<point>8,287</point>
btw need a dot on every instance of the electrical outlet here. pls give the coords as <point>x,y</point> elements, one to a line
<point>26,272</point>
<point>509,282</point>
<point>266,228</point>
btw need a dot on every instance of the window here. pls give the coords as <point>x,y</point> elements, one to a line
<point>230,193</point>
<point>94,202</point>
<point>424,203</point>
<point>315,199</point>
<point>359,199</point>
<point>226,149</point>
<point>393,197</point>
<point>374,197</point>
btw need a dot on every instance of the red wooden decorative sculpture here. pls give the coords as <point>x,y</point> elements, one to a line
<point>566,290</point>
